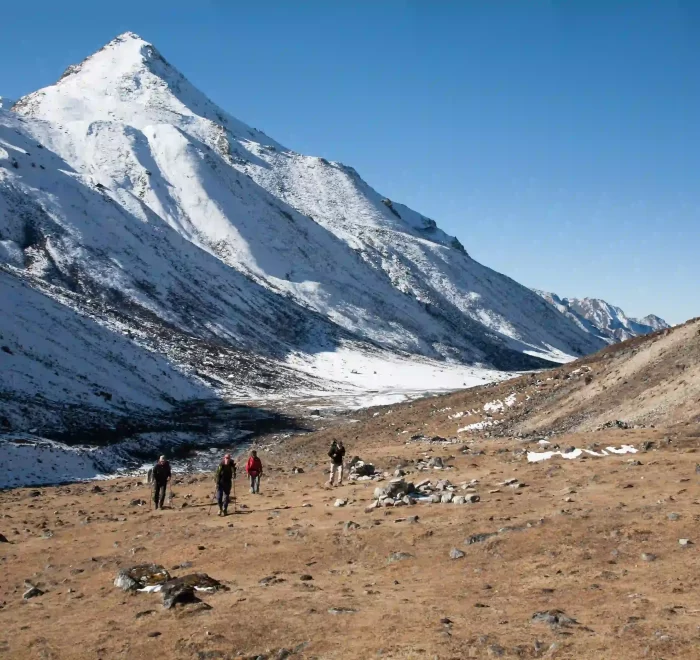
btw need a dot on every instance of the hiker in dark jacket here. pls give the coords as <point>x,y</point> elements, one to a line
<point>225,474</point>
<point>161,476</point>
<point>336,454</point>
<point>254,469</point>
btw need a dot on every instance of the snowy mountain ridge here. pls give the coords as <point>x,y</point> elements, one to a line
<point>603,319</point>
<point>139,219</point>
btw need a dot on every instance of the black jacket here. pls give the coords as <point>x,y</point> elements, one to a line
<point>225,474</point>
<point>337,454</point>
<point>161,472</point>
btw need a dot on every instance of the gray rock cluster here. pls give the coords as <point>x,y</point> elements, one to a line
<point>435,440</point>
<point>361,471</point>
<point>400,492</point>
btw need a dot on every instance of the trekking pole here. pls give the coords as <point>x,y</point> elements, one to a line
<point>211,503</point>
<point>234,496</point>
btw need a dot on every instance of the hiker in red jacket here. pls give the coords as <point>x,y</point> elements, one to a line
<point>254,469</point>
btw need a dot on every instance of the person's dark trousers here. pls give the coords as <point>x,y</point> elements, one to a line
<point>223,495</point>
<point>159,494</point>
<point>254,483</point>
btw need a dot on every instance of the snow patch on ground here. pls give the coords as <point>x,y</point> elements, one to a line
<point>499,405</point>
<point>480,426</point>
<point>367,379</point>
<point>536,457</point>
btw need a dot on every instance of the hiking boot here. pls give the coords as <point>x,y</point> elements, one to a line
<point>225,512</point>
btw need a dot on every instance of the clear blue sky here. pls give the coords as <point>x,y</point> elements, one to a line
<point>560,141</point>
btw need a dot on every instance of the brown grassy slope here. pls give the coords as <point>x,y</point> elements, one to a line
<point>592,518</point>
<point>648,380</point>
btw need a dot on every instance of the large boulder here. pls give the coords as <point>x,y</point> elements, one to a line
<point>182,589</point>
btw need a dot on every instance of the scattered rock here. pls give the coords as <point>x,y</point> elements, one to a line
<point>472,499</point>
<point>31,591</point>
<point>479,538</point>
<point>141,576</point>
<point>155,633</point>
<point>684,542</point>
<point>96,489</point>
<point>673,516</point>
<point>399,556</point>
<point>555,618</point>
<point>143,613</point>
<point>340,502</point>
<point>137,502</point>
<point>350,525</point>
<point>379,493</point>
<point>341,610</point>
<point>456,554</point>
<point>3,539</point>
<point>306,578</point>
<point>648,556</point>
<point>271,579</point>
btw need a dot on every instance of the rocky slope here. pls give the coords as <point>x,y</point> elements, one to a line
<point>649,381</point>
<point>603,319</point>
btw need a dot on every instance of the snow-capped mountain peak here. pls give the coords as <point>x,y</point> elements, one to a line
<point>127,195</point>
<point>129,81</point>
<point>603,319</point>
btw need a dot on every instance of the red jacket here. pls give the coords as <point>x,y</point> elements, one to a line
<point>254,466</point>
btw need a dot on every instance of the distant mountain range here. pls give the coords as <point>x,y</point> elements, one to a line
<point>603,319</point>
